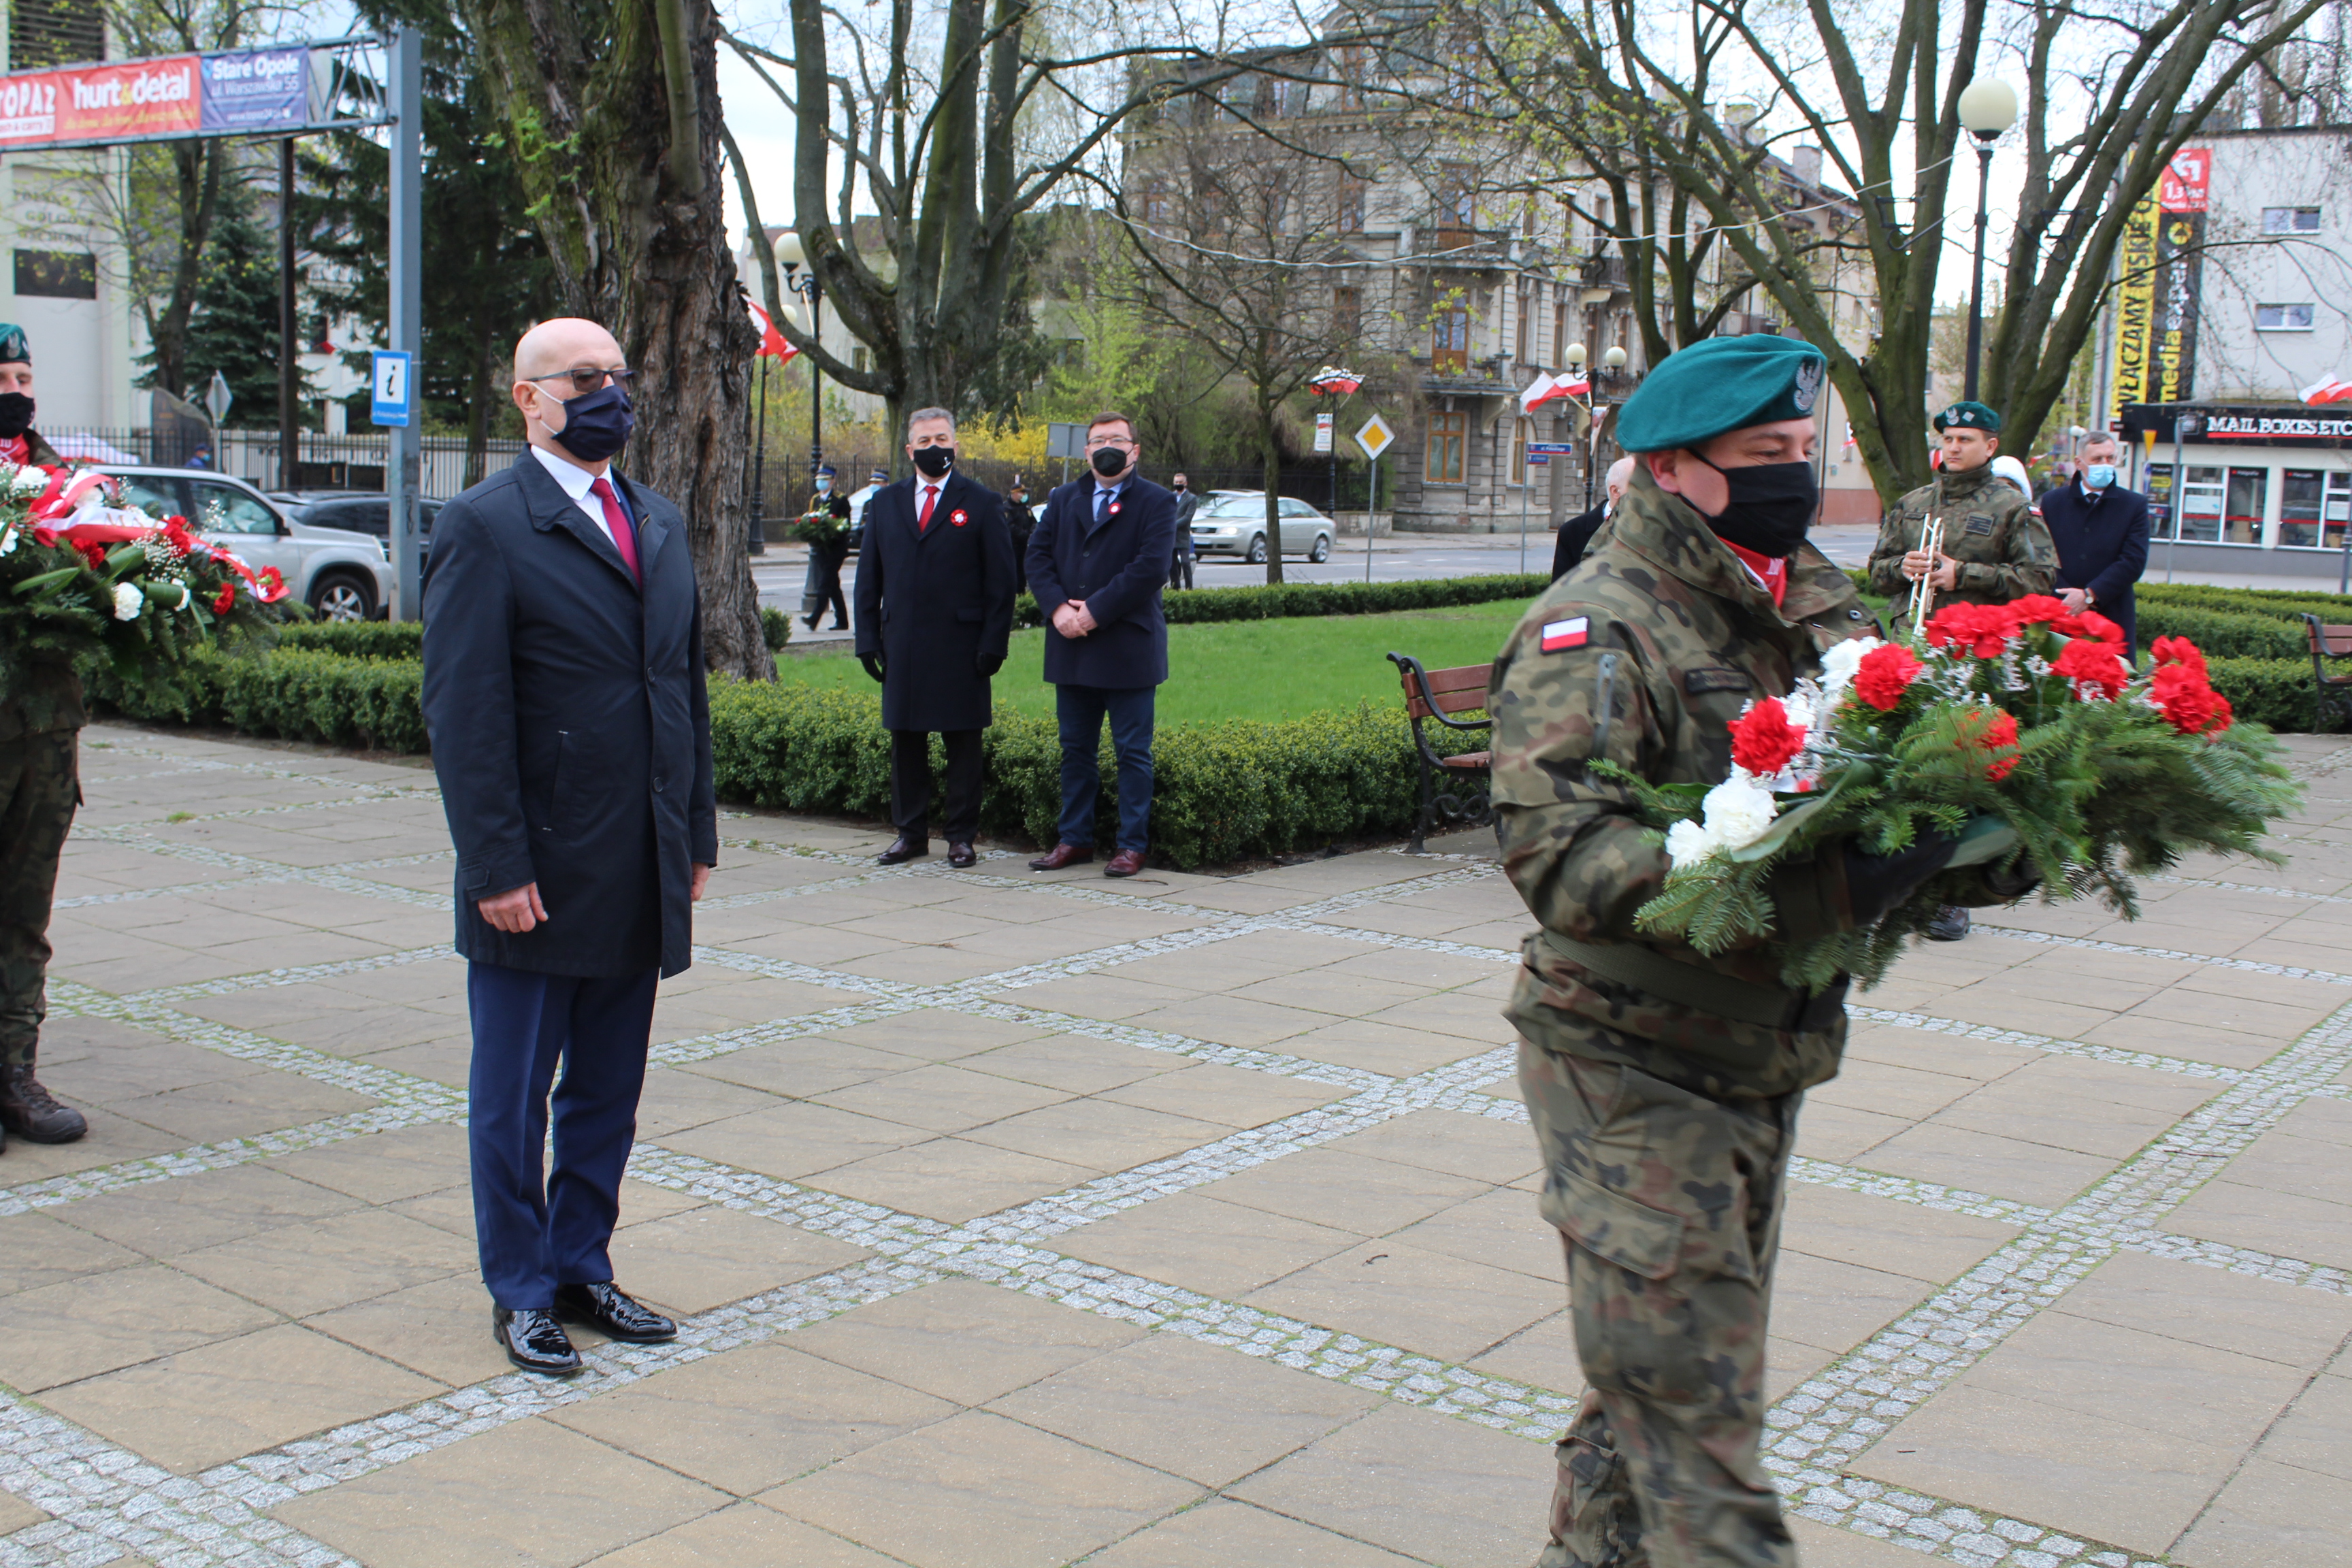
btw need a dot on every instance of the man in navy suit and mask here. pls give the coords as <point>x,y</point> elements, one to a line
<point>2100,531</point>
<point>571,731</point>
<point>1096,564</point>
<point>934,620</point>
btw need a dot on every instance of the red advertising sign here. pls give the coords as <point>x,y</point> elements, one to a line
<point>89,103</point>
<point>2187,180</point>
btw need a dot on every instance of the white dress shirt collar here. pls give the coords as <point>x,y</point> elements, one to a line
<point>576,482</point>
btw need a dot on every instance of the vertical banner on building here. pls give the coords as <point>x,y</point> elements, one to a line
<point>2135,261</point>
<point>2182,195</point>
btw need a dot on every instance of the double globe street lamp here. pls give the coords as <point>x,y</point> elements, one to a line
<point>1988,107</point>
<point>1612,360</point>
<point>790,252</point>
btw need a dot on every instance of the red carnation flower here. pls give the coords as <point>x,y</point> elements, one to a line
<point>2189,702</point>
<point>2089,623</point>
<point>2180,651</point>
<point>1884,674</point>
<point>1998,735</point>
<point>1982,629</point>
<point>95,554</point>
<point>1762,739</point>
<point>2035,609</point>
<point>272,586</point>
<point>224,599</point>
<point>2088,663</point>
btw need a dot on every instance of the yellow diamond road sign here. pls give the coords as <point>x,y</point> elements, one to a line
<point>1375,436</point>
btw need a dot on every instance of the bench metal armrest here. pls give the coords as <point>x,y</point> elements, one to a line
<point>1419,678</point>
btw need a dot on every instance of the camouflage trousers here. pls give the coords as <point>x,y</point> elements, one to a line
<point>1668,1205</point>
<point>39,788</point>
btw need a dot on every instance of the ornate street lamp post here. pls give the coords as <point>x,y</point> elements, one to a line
<point>1988,108</point>
<point>789,252</point>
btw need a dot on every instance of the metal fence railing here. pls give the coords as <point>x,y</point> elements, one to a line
<point>353,461</point>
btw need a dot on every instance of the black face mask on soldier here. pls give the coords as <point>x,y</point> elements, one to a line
<point>15,412</point>
<point>934,461</point>
<point>1770,506</point>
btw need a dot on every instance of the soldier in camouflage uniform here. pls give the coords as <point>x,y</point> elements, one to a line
<point>1995,547</point>
<point>39,788</point>
<point>1663,1083</point>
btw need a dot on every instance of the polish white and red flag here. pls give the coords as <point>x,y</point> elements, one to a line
<point>2331,390</point>
<point>1545,388</point>
<point>1333,382</point>
<point>771,342</point>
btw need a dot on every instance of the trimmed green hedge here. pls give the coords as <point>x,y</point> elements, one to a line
<point>357,639</point>
<point>1268,602</point>
<point>297,692</point>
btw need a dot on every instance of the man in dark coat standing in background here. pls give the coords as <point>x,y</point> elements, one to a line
<point>1096,564</point>
<point>934,620</point>
<point>1179,568</point>
<point>571,731</point>
<point>2100,531</point>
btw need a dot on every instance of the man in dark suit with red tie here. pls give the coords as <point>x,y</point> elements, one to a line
<point>571,731</point>
<point>1097,563</point>
<point>934,620</point>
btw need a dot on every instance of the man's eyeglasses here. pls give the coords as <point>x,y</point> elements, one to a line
<point>585,379</point>
<point>1121,442</point>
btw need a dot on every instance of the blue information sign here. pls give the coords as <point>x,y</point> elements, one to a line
<point>396,389</point>
<point>1552,448</point>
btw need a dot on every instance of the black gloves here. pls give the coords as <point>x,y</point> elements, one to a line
<point>873,663</point>
<point>989,664</point>
<point>1876,883</point>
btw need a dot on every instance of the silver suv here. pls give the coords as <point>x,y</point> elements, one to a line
<point>342,575</point>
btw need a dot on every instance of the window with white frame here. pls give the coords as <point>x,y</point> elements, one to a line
<point>2290,220</point>
<point>2285,318</point>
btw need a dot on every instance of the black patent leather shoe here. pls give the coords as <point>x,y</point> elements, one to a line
<point>534,1341</point>
<point>903,848</point>
<point>961,856</point>
<point>604,1306</point>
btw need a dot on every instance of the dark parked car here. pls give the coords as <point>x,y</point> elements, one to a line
<point>359,512</point>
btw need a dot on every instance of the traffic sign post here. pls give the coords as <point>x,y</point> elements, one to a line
<point>403,71</point>
<point>1375,437</point>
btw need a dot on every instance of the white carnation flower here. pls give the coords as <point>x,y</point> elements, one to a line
<point>1739,810</point>
<point>29,481</point>
<point>1797,711</point>
<point>128,602</point>
<point>1688,843</point>
<point>1839,664</point>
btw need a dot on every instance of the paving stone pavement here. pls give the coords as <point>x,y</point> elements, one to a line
<point>1034,1220</point>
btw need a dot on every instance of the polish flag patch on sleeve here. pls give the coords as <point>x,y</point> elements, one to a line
<point>1568,633</point>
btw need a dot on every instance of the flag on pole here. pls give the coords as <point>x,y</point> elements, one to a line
<point>2330,389</point>
<point>771,342</point>
<point>1545,388</point>
<point>1333,382</point>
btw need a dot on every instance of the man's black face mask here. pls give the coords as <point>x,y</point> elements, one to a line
<point>934,461</point>
<point>1770,506</point>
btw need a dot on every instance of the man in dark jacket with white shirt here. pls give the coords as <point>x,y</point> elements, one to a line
<point>571,731</point>
<point>2100,531</point>
<point>1097,563</point>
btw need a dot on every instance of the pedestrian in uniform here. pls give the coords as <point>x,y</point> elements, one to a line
<point>934,621</point>
<point>1663,1083</point>
<point>2100,531</point>
<point>826,555</point>
<point>1098,561</point>
<point>40,786</point>
<point>1020,523</point>
<point>1179,568</point>
<point>1995,547</point>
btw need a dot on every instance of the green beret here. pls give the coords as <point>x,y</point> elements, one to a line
<point>14,349</point>
<point>1969,417</point>
<point>1719,384</point>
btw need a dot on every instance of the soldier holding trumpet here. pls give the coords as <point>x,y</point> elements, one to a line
<point>1965,537</point>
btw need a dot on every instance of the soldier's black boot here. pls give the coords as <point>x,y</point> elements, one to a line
<point>31,1111</point>
<point>1950,924</point>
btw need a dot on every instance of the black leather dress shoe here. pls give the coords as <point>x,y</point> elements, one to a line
<point>960,856</point>
<point>534,1341</point>
<point>903,848</point>
<point>604,1306</point>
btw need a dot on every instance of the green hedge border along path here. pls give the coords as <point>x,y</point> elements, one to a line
<point>1195,607</point>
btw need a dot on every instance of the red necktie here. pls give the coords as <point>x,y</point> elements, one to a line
<point>625,537</point>
<point>931,499</point>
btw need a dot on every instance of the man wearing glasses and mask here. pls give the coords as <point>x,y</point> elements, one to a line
<point>571,731</point>
<point>1097,563</point>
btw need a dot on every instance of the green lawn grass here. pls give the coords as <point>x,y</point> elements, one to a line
<point>1248,669</point>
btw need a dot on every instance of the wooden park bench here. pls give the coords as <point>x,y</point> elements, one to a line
<point>1455,790</point>
<point>2332,693</point>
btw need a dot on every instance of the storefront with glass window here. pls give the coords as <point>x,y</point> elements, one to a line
<point>2262,489</point>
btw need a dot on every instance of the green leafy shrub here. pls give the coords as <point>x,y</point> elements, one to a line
<point>775,627</point>
<point>2224,634</point>
<point>357,639</point>
<point>2272,691</point>
<point>1194,606</point>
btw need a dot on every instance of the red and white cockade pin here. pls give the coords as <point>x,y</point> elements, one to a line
<point>958,517</point>
<point>1112,511</point>
<point>1568,633</point>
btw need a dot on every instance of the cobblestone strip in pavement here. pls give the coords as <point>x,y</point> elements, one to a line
<point>2246,965</point>
<point>2247,888</point>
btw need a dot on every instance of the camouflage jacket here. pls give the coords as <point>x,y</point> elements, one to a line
<point>2003,549</point>
<point>1671,638</point>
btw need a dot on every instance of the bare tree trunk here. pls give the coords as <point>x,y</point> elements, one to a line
<point>637,228</point>
<point>487,359</point>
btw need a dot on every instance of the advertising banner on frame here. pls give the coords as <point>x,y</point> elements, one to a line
<point>256,89</point>
<point>238,92</point>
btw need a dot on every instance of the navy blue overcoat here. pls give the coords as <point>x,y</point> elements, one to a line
<point>1118,566</point>
<point>2102,541</point>
<point>570,723</point>
<point>934,603</point>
